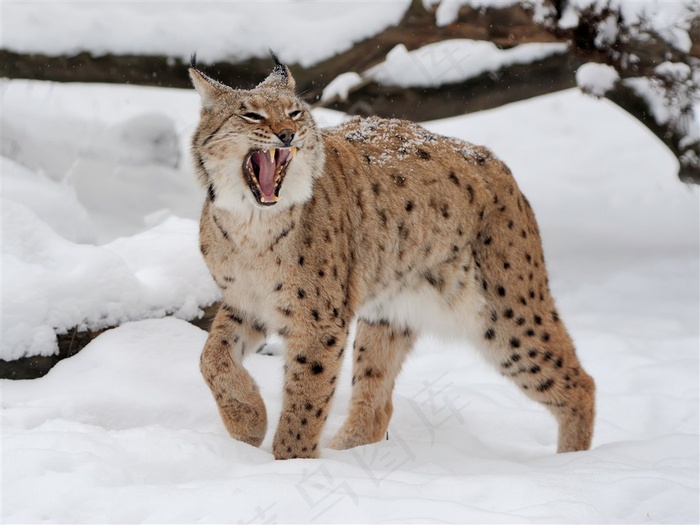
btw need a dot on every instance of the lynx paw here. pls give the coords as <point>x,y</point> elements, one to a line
<point>245,422</point>
<point>294,441</point>
<point>347,438</point>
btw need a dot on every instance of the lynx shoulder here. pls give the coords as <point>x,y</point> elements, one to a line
<point>379,221</point>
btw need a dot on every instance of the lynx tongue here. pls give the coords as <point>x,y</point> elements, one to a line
<point>266,172</point>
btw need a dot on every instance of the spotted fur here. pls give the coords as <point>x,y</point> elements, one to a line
<point>380,221</point>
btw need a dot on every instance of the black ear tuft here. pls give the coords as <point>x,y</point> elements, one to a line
<point>279,66</point>
<point>193,60</point>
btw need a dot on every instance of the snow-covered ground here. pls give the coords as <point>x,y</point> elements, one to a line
<point>126,431</point>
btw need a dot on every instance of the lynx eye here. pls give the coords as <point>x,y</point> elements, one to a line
<point>296,114</point>
<point>253,117</point>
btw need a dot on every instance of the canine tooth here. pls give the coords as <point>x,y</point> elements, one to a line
<point>271,152</point>
<point>294,152</point>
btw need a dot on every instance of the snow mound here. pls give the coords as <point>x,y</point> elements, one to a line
<point>453,61</point>
<point>57,284</point>
<point>596,79</point>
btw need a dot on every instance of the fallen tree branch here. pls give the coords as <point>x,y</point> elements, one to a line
<point>70,343</point>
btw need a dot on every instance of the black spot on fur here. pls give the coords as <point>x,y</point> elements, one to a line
<point>490,334</point>
<point>501,291</point>
<point>546,385</point>
<point>282,235</point>
<point>453,178</point>
<point>316,368</point>
<point>235,318</point>
<point>224,233</point>
<point>301,359</point>
<point>330,341</point>
<point>515,342</point>
<point>435,281</point>
<point>423,154</point>
<point>301,293</point>
<point>409,206</point>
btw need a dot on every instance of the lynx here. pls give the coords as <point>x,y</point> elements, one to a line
<point>380,221</point>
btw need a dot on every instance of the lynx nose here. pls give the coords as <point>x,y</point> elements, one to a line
<point>286,136</point>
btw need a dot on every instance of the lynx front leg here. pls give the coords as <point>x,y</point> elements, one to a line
<point>240,405</point>
<point>311,370</point>
<point>379,351</point>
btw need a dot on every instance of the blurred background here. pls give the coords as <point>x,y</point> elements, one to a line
<point>416,59</point>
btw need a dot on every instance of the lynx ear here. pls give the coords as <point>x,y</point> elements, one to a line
<point>281,76</point>
<point>209,90</point>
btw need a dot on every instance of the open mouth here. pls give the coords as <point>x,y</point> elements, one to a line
<point>265,171</point>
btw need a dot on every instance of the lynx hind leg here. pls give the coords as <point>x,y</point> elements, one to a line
<point>240,405</point>
<point>378,353</point>
<point>522,332</point>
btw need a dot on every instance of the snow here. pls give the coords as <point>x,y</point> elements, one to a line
<point>99,211</point>
<point>341,86</point>
<point>596,79</point>
<point>300,32</point>
<point>52,283</point>
<point>126,431</point>
<point>452,61</point>
<point>433,65</point>
<point>669,19</point>
<point>447,11</point>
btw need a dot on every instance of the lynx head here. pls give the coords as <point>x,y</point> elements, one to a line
<point>257,148</point>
